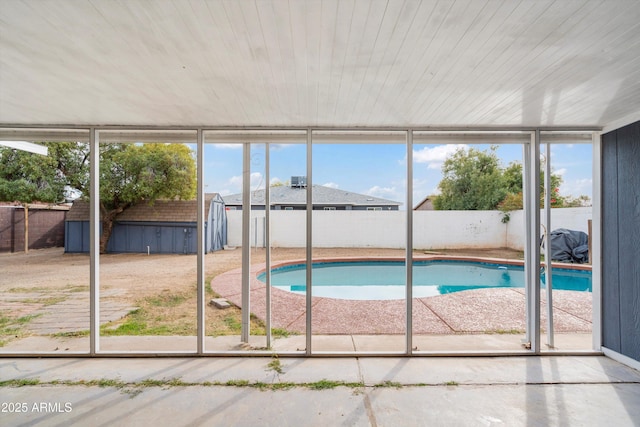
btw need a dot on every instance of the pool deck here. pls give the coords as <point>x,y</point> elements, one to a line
<point>481,311</point>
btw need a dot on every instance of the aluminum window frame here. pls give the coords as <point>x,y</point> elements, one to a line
<point>262,134</point>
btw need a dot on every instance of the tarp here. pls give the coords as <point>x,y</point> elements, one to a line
<point>569,246</point>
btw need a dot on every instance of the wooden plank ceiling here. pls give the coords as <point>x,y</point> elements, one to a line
<point>340,63</point>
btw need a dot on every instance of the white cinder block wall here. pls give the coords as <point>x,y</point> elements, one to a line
<point>431,229</point>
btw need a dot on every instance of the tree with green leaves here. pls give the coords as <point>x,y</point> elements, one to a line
<point>513,200</point>
<point>132,174</point>
<point>475,180</point>
<point>129,174</point>
<point>472,180</point>
<point>27,177</point>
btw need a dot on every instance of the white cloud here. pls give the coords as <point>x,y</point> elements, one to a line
<point>256,182</point>
<point>577,187</point>
<point>228,146</point>
<point>382,192</point>
<point>235,181</point>
<point>435,156</point>
<point>331,185</point>
<point>560,172</point>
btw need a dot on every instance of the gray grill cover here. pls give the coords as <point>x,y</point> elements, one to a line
<point>569,246</point>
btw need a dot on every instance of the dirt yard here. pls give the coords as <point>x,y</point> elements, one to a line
<point>158,292</point>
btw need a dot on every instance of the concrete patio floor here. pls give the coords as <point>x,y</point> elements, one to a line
<point>259,391</point>
<point>566,342</point>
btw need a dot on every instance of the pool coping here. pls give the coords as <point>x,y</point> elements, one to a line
<point>559,265</point>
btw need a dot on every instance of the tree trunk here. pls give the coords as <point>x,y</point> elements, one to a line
<point>107,225</point>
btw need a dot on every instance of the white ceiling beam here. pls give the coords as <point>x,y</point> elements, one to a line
<point>26,146</point>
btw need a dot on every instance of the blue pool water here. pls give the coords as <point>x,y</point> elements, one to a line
<point>382,280</point>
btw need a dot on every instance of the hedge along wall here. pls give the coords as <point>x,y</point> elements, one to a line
<point>46,228</point>
<point>380,229</point>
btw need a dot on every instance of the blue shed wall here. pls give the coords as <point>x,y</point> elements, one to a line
<point>76,236</point>
<point>156,237</point>
<point>164,238</point>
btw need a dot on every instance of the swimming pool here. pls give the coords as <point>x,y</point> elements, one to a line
<point>384,280</point>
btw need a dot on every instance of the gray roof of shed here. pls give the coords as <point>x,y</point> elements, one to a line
<point>159,211</point>
<point>325,196</point>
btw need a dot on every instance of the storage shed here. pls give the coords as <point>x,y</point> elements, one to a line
<point>166,226</point>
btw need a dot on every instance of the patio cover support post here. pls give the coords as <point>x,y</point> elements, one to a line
<point>94,241</point>
<point>532,250</point>
<point>246,241</point>
<point>201,243</point>
<point>526,159</point>
<point>547,244</point>
<point>267,240</point>
<point>309,254</point>
<point>409,247</point>
<point>595,256</point>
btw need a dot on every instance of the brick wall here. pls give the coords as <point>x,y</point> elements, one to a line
<point>46,228</point>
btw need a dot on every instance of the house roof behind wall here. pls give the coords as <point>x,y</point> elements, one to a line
<point>322,196</point>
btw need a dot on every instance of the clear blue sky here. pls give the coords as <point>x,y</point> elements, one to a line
<point>376,169</point>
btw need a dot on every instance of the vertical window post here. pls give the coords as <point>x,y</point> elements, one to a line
<point>94,241</point>
<point>409,246</point>
<point>246,242</point>
<point>201,242</point>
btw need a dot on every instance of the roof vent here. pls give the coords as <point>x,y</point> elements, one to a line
<point>298,182</point>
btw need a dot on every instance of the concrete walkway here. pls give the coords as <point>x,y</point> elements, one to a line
<point>482,391</point>
<point>59,312</point>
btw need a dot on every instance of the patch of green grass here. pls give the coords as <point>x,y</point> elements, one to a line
<point>275,365</point>
<point>72,334</point>
<point>106,382</point>
<point>72,288</point>
<point>207,287</point>
<point>45,301</point>
<point>171,382</point>
<point>282,386</point>
<point>26,319</point>
<point>140,322</point>
<point>129,327</point>
<point>21,290</point>
<point>68,288</point>
<point>21,382</point>
<point>166,300</point>
<point>451,383</point>
<point>12,327</point>
<point>387,384</point>
<point>504,332</point>
<point>232,322</point>
<point>324,385</point>
<point>281,333</point>
<point>237,383</point>
<point>135,388</point>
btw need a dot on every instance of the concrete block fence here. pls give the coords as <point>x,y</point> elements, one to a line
<point>387,229</point>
